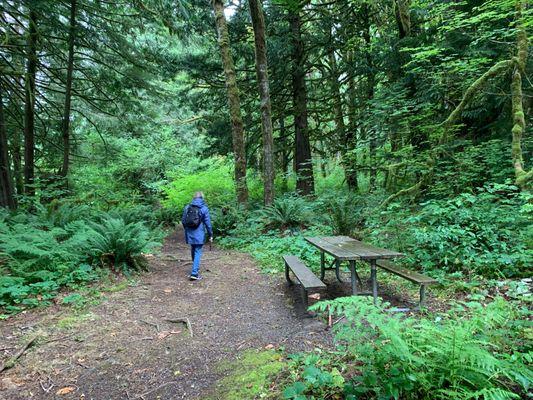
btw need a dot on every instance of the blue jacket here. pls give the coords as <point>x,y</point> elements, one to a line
<point>197,236</point>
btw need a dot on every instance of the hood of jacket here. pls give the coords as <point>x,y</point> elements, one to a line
<point>199,202</point>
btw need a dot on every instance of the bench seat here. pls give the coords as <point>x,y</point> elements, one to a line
<point>412,276</point>
<point>303,274</point>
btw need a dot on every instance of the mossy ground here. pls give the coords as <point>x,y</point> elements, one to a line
<point>249,376</point>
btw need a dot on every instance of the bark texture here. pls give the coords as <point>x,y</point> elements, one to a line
<point>65,126</point>
<point>29,107</point>
<point>261,68</point>
<point>7,198</point>
<point>370,82</point>
<point>403,17</point>
<point>522,177</point>
<point>239,148</point>
<point>303,164</point>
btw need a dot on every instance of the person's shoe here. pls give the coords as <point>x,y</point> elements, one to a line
<point>195,278</point>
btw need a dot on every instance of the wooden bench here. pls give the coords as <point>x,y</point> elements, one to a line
<point>412,276</point>
<point>304,275</point>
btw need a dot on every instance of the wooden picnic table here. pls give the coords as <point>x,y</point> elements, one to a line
<point>344,248</point>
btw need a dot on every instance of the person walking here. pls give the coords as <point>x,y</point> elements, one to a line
<point>196,220</point>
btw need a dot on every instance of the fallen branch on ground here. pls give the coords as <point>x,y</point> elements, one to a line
<point>183,321</point>
<point>151,324</point>
<point>141,396</point>
<point>11,362</point>
<point>50,382</point>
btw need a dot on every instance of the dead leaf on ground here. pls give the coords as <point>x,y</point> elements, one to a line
<point>65,390</point>
<point>165,334</point>
<point>269,346</point>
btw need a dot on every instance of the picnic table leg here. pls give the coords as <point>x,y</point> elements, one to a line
<point>354,279</point>
<point>322,265</point>
<point>337,270</point>
<point>373,277</point>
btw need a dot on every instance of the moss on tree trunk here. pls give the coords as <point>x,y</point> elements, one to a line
<point>239,149</point>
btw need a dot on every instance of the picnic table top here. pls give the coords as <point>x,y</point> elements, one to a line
<point>349,249</point>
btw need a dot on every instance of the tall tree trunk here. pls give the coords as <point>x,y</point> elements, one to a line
<point>65,126</point>
<point>370,81</point>
<point>403,17</point>
<point>340,127</point>
<point>403,21</point>
<point>302,148</point>
<point>523,178</point>
<point>261,69</point>
<point>347,137</point>
<point>17,162</point>
<point>7,198</point>
<point>29,107</point>
<point>239,149</point>
<point>285,153</point>
<point>351,134</point>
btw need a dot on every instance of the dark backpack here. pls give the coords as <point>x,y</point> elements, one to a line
<point>193,217</point>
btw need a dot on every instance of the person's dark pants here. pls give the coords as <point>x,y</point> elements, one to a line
<point>196,255</point>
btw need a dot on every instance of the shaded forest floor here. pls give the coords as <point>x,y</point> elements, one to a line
<point>123,347</point>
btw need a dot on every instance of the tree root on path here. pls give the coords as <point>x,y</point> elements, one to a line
<point>151,324</point>
<point>12,361</point>
<point>185,321</point>
<point>141,396</point>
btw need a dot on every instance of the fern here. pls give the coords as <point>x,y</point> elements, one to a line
<point>41,252</point>
<point>117,243</point>
<point>287,212</point>
<point>455,356</point>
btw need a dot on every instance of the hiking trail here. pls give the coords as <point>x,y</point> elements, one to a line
<point>125,347</point>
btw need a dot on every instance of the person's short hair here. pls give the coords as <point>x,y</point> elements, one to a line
<point>198,195</point>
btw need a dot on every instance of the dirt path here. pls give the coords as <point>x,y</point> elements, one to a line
<point>117,349</point>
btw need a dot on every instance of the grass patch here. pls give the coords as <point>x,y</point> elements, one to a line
<point>120,286</point>
<point>249,375</point>
<point>73,320</point>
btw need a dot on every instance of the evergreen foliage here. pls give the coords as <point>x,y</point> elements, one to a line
<point>473,354</point>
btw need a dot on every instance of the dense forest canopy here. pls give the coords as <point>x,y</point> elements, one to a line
<point>392,91</point>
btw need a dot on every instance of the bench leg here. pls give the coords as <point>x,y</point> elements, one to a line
<point>287,274</point>
<point>305,299</point>
<point>354,279</point>
<point>422,296</point>
<point>322,265</point>
<point>374,278</point>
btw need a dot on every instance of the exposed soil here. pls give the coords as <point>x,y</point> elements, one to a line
<point>123,348</point>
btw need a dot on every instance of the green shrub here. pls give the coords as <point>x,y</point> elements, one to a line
<point>226,219</point>
<point>268,248</point>
<point>485,233</point>
<point>469,166</point>
<point>472,354</point>
<point>40,287</point>
<point>215,180</point>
